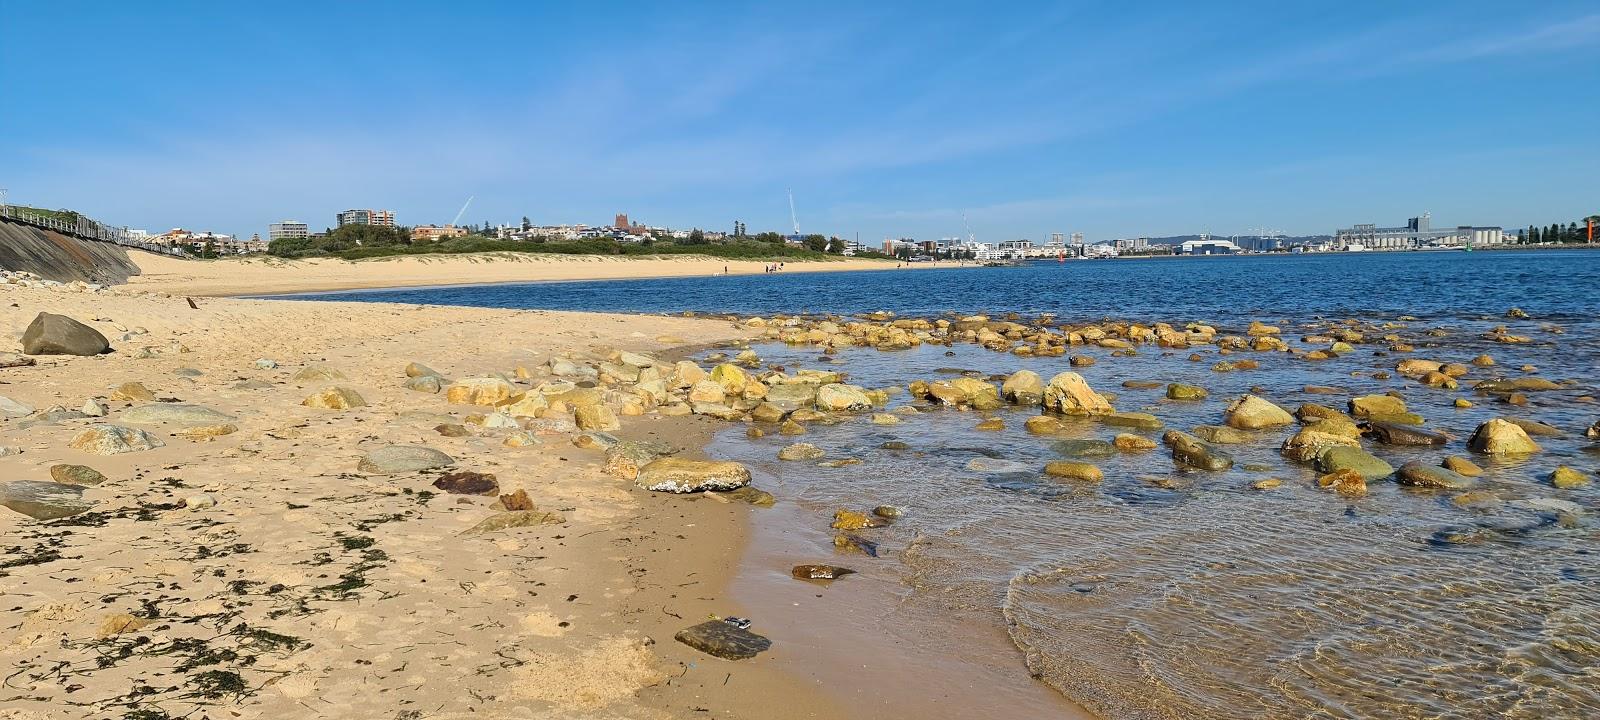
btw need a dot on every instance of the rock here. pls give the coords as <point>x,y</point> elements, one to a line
<point>1193,452</point>
<point>792,396</point>
<point>718,410</point>
<point>707,391</point>
<point>1344,482</point>
<point>888,512</point>
<point>14,409</point>
<point>466,482</point>
<point>731,377</point>
<point>800,451</point>
<point>753,496</point>
<point>852,520</point>
<point>514,519</point>
<point>105,439</point>
<point>819,572</point>
<point>625,458</point>
<point>1250,412</point>
<point>1339,457</point>
<point>431,384</point>
<point>43,500</point>
<point>175,414</point>
<point>397,459</point>
<point>1042,425</point>
<point>596,417</point>
<point>1307,444</point>
<point>885,419</point>
<point>452,430</point>
<point>1267,484</point>
<point>200,501</point>
<point>526,405</point>
<point>335,398</point>
<point>1535,428</point>
<point>1083,447</point>
<point>1222,435</point>
<point>1594,430</point>
<point>1525,384</point>
<point>50,334</point>
<point>12,360</point>
<point>416,370</point>
<point>1074,470</point>
<point>522,438</point>
<point>265,364</point>
<point>120,623</point>
<point>1417,367</point>
<point>1139,420</point>
<point>1420,474</point>
<point>1396,434</point>
<point>719,639</point>
<point>76,475</point>
<point>1067,393</point>
<point>1023,387</point>
<point>1500,437</point>
<point>1368,406</point>
<point>202,433</point>
<point>133,392</point>
<point>316,373</point>
<point>518,500</point>
<point>678,475</point>
<point>486,391</point>
<point>991,424</point>
<point>1566,478</point>
<point>1180,391</point>
<point>1130,442</point>
<point>1517,314</point>
<point>1462,466</point>
<point>837,397</point>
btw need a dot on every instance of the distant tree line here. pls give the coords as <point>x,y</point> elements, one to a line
<point>1574,232</point>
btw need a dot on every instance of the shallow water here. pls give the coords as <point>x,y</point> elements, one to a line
<point>1167,593</point>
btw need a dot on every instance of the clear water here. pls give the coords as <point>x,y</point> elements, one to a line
<point>1168,593</point>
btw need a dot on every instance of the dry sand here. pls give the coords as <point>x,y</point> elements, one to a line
<point>264,275</point>
<point>328,593</point>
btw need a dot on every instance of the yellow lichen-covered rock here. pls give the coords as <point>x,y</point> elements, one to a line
<point>487,391</point>
<point>335,398</point>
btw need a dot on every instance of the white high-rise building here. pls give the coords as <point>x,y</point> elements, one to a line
<point>288,229</point>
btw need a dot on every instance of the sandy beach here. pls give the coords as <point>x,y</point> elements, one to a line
<point>260,574</point>
<point>260,275</point>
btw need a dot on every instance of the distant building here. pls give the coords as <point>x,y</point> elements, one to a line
<point>1011,249</point>
<point>1417,233</point>
<point>1131,245</point>
<point>382,218</point>
<point>430,233</point>
<point>1208,245</point>
<point>287,230</point>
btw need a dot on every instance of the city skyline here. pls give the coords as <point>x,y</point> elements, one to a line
<point>885,121</point>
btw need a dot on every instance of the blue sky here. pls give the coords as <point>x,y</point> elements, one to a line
<point>1111,119</point>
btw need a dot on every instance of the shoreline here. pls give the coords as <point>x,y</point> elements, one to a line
<point>361,570</point>
<point>264,276</point>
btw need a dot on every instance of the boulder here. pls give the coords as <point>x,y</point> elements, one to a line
<point>1500,437</point>
<point>76,475</point>
<point>133,392</point>
<point>397,459</point>
<point>1193,452</point>
<point>202,433</point>
<point>1420,474</point>
<point>596,417</point>
<point>1368,406</point>
<point>1526,384</point>
<point>731,377</point>
<point>335,398</point>
<point>720,639</point>
<point>528,404</point>
<point>175,414</point>
<point>1067,393</point>
<point>1462,466</point>
<point>1023,387</point>
<point>1222,435</point>
<point>1390,433</point>
<point>1138,420</point>
<point>1341,457</point>
<point>707,391</point>
<point>1307,444</point>
<point>431,384</point>
<point>416,370</point>
<point>43,500</point>
<point>1251,412</point>
<point>1042,425</point>
<point>1535,428</point>
<point>1344,482</point>
<point>792,396</point>
<point>105,439</point>
<point>466,482</point>
<point>1074,470</point>
<point>800,451</point>
<point>624,458</point>
<point>1566,478</point>
<point>315,373</point>
<point>1128,442</point>
<point>50,334</point>
<point>1083,447</point>
<point>678,475</point>
<point>13,409</point>
<point>837,397</point>
<point>1180,391</point>
<point>487,391</point>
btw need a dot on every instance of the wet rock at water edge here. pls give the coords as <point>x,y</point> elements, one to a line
<point>1137,420</point>
<point>678,475</point>
<point>852,520</point>
<point>1420,474</point>
<point>466,482</point>
<point>1074,470</point>
<point>819,572</point>
<point>752,495</point>
<point>1462,465</point>
<point>43,500</point>
<point>720,639</point>
<point>1566,478</point>
<point>801,451</point>
<point>1340,457</point>
<point>1193,452</point>
<point>51,334</point>
<point>1396,434</point>
<point>1500,437</point>
<point>1083,447</point>
<point>1345,482</point>
<point>1250,412</point>
<point>1222,435</point>
<point>1180,391</point>
<point>397,459</point>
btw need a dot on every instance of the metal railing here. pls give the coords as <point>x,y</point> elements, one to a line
<point>86,229</point>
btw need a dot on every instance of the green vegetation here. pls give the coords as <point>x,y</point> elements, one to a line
<point>373,245</point>
<point>1573,232</point>
<point>68,216</point>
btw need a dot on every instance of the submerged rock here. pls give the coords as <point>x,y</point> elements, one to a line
<point>1193,452</point>
<point>720,639</point>
<point>1566,478</point>
<point>1344,482</point>
<point>801,451</point>
<point>1222,435</point>
<point>1390,433</point>
<point>1074,470</point>
<point>1083,447</point>
<point>1371,467</point>
<point>1139,420</point>
<point>1180,391</point>
<point>1420,474</point>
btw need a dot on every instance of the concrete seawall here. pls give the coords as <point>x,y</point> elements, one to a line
<point>54,256</point>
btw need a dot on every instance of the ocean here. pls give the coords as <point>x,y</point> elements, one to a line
<point>1166,592</point>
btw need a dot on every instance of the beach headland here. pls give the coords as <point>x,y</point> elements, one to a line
<point>246,553</point>
<point>265,275</point>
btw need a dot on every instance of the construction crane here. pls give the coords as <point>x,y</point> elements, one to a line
<point>793,219</point>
